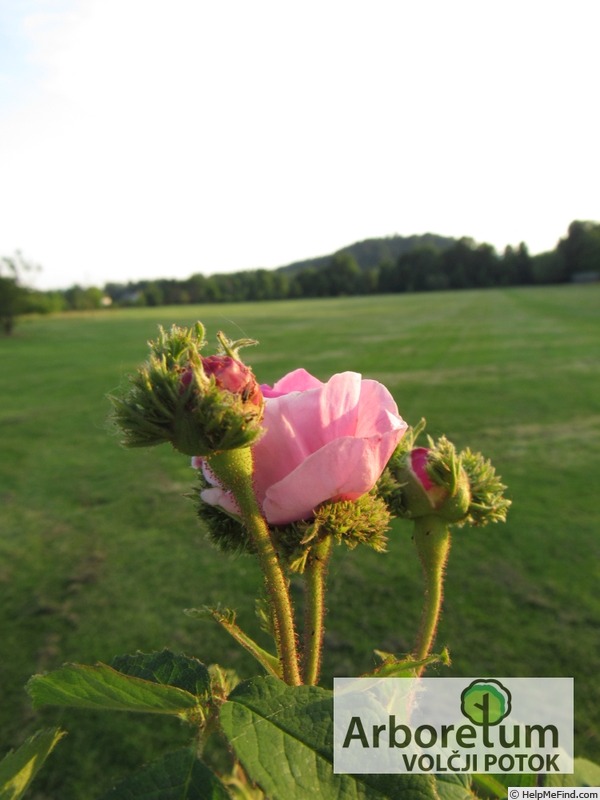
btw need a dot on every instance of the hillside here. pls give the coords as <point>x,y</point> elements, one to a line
<point>370,253</point>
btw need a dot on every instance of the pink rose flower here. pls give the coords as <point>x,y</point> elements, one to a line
<point>322,442</point>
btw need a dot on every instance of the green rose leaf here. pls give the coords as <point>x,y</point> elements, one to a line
<point>495,785</point>
<point>102,687</point>
<point>451,786</point>
<point>167,668</point>
<point>283,735</point>
<point>19,767</point>
<point>585,773</point>
<point>176,776</point>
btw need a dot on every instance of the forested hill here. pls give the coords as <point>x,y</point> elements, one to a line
<point>371,253</point>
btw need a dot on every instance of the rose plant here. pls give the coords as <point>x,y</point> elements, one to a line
<point>285,472</point>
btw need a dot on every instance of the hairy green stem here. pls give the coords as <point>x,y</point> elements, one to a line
<point>314,609</point>
<point>233,468</point>
<point>432,540</point>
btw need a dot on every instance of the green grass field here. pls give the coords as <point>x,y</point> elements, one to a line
<point>100,552</point>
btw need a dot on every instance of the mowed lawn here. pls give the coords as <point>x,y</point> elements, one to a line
<point>100,550</point>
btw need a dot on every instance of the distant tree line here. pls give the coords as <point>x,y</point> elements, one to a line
<point>375,266</point>
<point>428,265</point>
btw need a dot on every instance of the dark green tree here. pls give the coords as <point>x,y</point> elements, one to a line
<point>548,267</point>
<point>455,261</point>
<point>421,270</point>
<point>309,282</point>
<point>13,295</point>
<point>468,265</point>
<point>152,294</point>
<point>517,268</point>
<point>387,278</point>
<point>343,275</point>
<point>80,299</point>
<point>11,298</point>
<point>580,250</point>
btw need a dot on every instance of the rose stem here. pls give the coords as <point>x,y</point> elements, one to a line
<point>314,610</point>
<point>234,470</point>
<point>432,539</point>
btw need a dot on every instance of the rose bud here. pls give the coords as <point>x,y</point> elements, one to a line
<point>201,405</point>
<point>459,488</point>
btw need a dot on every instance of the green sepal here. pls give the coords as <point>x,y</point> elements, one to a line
<point>364,521</point>
<point>102,687</point>
<point>406,667</point>
<point>226,619</point>
<point>176,776</point>
<point>391,484</point>
<point>488,503</point>
<point>19,767</point>
<point>232,347</point>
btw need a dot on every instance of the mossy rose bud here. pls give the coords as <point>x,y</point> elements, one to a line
<point>458,488</point>
<point>435,483</point>
<point>235,377</point>
<point>200,404</point>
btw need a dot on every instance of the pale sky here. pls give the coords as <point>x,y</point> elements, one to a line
<point>160,138</point>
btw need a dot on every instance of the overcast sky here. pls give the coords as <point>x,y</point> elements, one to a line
<point>159,138</point>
